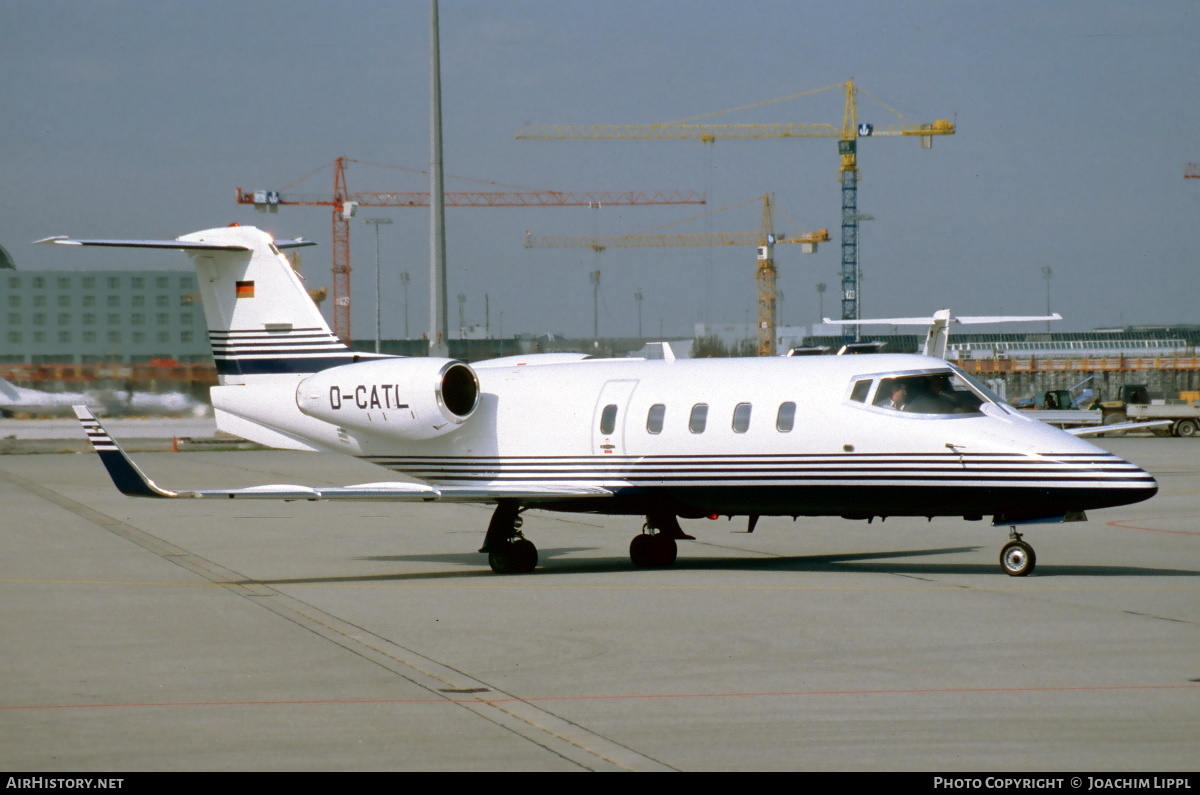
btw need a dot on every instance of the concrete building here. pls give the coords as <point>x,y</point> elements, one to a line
<point>88,317</point>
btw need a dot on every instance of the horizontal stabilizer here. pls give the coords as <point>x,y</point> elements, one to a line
<point>171,244</point>
<point>180,245</point>
<point>131,481</point>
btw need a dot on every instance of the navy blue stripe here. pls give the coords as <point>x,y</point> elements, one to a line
<point>1109,480</point>
<point>281,352</point>
<point>280,366</point>
<point>252,332</point>
<point>901,458</point>
<point>127,479</point>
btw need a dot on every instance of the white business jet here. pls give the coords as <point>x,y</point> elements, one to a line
<point>852,436</point>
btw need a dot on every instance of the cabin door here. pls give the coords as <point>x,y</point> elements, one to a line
<point>608,420</point>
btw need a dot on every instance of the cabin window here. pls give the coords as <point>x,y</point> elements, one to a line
<point>654,419</point>
<point>699,418</point>
<point>608,419</point>
<point>785,420</point>
<point>861,388</point>
<point>741,418</point>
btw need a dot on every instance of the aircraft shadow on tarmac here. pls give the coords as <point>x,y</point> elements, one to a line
<point>868,562</point>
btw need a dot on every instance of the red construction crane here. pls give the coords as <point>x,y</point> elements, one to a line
<point>345,203</point>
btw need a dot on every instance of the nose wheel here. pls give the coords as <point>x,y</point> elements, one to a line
<point>1017,558</point>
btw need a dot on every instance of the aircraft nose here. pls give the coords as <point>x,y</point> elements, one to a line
<point>1123,483</point>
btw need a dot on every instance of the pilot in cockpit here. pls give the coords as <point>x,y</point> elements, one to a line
<point>899,396</point>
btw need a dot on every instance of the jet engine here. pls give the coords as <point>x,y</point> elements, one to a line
<point>418,398</point>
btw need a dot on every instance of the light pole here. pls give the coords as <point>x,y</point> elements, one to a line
<point>595,275</point>
<point>638,297</point>
<point>404,277</point>
<point>1046,274</point>
<point>376,222</point>
<point>821,302</point>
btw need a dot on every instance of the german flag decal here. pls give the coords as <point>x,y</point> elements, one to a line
<point>245,289</point>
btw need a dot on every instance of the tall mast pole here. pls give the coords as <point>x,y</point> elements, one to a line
<point>438,328</point>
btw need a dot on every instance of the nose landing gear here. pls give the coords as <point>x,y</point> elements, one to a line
<point>1017,558</point>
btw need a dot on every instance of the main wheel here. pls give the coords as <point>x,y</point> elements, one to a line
<point>656,551</point>
<point>1017,559</point>
<point>1186,428</point>
<point>514,557</point>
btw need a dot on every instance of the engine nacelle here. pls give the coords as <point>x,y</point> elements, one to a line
<point>417,398</point>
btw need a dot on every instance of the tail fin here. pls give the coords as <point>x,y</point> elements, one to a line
<point>261,320</point>
<point>8,391</point>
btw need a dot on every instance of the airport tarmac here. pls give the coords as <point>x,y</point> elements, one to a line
<point>242,635</point>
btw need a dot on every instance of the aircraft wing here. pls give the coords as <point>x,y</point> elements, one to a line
<point>131,481</point>
<point>1119,427</point>
<point>925,321</point>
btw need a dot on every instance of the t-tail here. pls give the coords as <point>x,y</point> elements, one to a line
<point>262,324</point>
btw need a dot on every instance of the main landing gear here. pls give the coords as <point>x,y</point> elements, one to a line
<point>655,547</point>
<point>1017,557</point>
<point>653,550</point>
<point>508,551</point>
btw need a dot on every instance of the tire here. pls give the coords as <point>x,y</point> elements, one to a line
<point>667,550</point>
<point>1186,428</point>
<point>1017,559</point>
<point>641,551</point>
<point>514,557</point>
<point>656,551</point>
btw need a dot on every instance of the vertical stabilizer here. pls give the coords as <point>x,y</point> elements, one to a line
<point>938,335</point>
<point>261,320</point>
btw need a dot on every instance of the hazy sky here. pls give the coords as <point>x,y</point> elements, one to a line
<point>138,119</point>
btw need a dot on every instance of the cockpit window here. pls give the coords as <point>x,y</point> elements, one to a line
<point>861,388</point>
<point>928,393</point>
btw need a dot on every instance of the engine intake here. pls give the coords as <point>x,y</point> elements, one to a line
<point>416,398</point>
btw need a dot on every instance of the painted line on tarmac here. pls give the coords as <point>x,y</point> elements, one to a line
<point>614,697</point>
<point>1122,523</point>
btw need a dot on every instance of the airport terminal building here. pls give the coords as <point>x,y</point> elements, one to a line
<point>94,317</point>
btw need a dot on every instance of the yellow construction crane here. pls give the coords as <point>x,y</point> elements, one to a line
<point>849,133</point>
<point>765,239</point>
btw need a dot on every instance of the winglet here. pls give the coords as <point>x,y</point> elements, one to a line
<point>125,474</point>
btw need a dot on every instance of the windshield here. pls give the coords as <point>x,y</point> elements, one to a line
<point>945,393</point>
